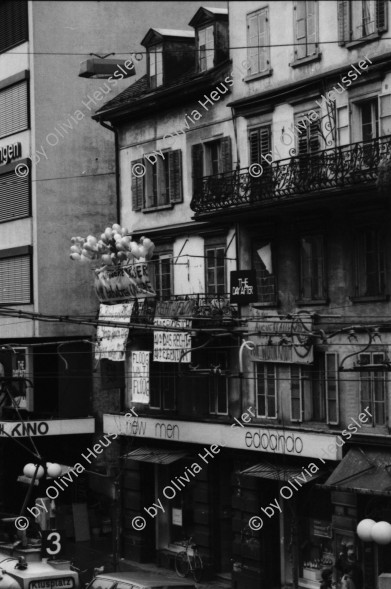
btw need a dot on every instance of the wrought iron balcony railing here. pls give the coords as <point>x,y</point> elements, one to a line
<point>338,167</point>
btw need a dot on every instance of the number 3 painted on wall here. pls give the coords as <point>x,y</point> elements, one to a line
<point>53,543</point>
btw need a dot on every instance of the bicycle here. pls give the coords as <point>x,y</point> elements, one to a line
<point>188,561</point>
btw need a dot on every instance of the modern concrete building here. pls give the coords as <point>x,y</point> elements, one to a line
<point>269,156</point>
<point>57,179</point>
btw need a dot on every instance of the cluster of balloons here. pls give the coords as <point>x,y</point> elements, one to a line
<point>370,531</point>
<point>53,470</point>
<point>115,247</point>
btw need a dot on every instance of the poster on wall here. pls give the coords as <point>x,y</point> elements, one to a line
<point>140,376</point>
<point>111,341</point>
<point>169,346</point>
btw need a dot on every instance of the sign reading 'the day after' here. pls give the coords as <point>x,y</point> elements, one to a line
<point>243,287</point>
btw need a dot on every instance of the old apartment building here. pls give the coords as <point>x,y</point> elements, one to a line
<point>242,151</point>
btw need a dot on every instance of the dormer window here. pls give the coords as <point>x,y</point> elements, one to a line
<point>206,48</point>
<point>212,39</point>
<point>156,66</point>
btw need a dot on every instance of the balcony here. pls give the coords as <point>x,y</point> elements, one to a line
<point>345,167</point>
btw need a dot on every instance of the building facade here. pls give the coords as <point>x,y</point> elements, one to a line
<point>260,172</point>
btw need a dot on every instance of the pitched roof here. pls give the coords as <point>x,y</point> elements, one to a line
<point>174,33</point>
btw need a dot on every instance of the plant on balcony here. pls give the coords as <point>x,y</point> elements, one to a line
<point>384,174</point>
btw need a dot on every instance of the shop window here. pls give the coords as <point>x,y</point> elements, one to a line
<point>370,263</point>
<point>266,389</point>
<point>258,52</point>
<point>14,113</point>
<point>163,385</point>
<point>262,262</point>
<point>312,274</point>
<point>306,28</point>
<point>215,270</point>
<point>15,276</point>
<point>361,19</point>
<point>373,388</point>
<point>15,196</point>
<point>206,48</point>
<point>161,184</point>
<point>13,24</point>
<point>156,66</point>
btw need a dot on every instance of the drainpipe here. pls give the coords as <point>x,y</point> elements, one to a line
<point>116,147</point>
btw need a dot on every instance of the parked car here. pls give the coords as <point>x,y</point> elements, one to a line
<point>131,580</point>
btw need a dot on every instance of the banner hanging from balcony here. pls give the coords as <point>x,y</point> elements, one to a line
<point>111,341</point>
<point>140,376</point>
<point>169,346</point>
<point>123,283</point>
<point>288,341</point>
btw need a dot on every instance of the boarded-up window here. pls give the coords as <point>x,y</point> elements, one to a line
<point>14,197</point>
<point>258,53</point>
<point>13,109</point>
<point>15,278</point>
<point>13,23</point>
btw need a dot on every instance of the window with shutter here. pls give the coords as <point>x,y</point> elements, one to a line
<point>260,145</point>
<point>258,53</point>
<point>13,109</point>
<point>15,279</point>
<point>161,184</point>
<point>15,199</point>
<point>360,19</point>
<point>13,23</point>
<point>137,184</point>
<point>306,28</point>
<point>175,171</point>
<point>308,139</point>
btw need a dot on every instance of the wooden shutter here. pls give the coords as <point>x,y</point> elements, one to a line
<point>15,280</point>
<point>253,50</point>
<point>381,15</point>
<point>301,29</point>
<point>14,197</point>
<point>311,27</point>
<point>313,136</point>
<point>197,157</point>
<point>137,186</point>
<point>175,171</point>
<point>13,23</point>
<point>265,142</point>
<point>13,109</point>
<point>343,22</point>
<point>262,41</point>
<point>226,155</point>
<point>255,155</point>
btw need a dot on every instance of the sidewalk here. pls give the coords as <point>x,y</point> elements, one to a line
<point>98,552</point>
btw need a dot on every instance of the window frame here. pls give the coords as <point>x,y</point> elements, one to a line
<point>266,367</point>
<point>322,297</point>
<point>214,247</point>
<point>157,51</point>
<point>163,255</point>
<point>256,244</point>
<point>371,379</point>
<point>315,55</point>
<point>327,391</point>
<point>158,374</point>
<point>267,71</point>
<point>208,52</point>
<point>360,262</point>
<point>345,23</point>
<point>16,253</point>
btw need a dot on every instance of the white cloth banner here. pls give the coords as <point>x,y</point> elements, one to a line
<point>111,341</point>
<point>168,346</point>
<point>140,376</point>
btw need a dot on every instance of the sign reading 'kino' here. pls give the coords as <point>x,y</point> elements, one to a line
<point>285,341</point>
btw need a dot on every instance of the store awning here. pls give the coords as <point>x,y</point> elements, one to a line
<point>363,471</point>
<point>281,472</point>
<point>155,455</point>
